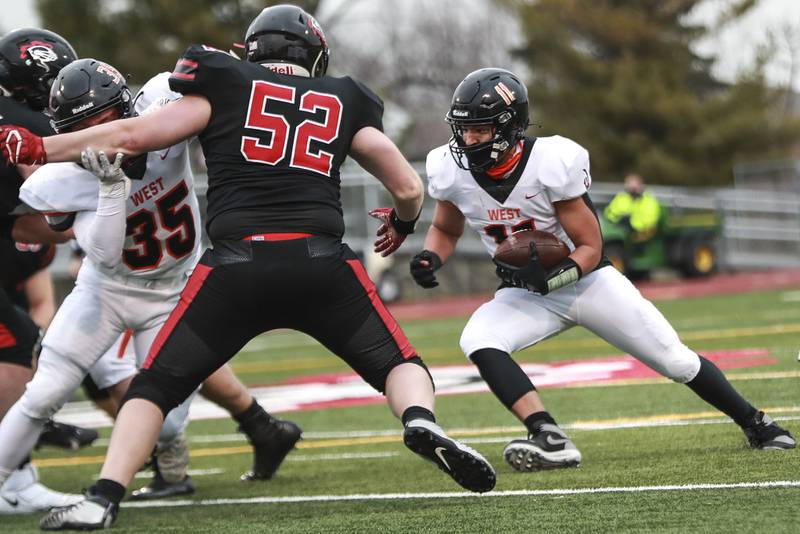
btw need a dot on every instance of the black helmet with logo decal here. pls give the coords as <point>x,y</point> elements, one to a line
<point>85,88</point>
<point>30,59</point>
<point>287,34</point>
<point>493,97</point>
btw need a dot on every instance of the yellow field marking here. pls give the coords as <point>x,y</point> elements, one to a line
<point>375,440</point>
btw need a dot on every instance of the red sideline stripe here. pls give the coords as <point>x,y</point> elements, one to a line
<point>275,237</point>
<point>183,75</point>
<point>7,339</point>
<point>188,294</point>
<point>126,338</point>
<point>397,333</point>
<point>187,62</point>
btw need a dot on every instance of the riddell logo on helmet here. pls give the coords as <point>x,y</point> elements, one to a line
<point>460,113</point>
<point>281,68</point>
<point>83,107</point>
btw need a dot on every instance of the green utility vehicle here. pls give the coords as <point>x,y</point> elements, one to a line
<point>684,241</point>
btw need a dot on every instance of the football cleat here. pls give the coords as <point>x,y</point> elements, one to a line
<point>765,434</point>
<point>550,448</point>
<point>66,436</point>
<point>272,439</point>
<point>93,512</point>
<point>158,488</point>
<point>22,493</point>
<point>465,465</point>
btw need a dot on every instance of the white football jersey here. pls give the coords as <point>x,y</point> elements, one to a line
<point>163,217</point>
<point>556,169</point>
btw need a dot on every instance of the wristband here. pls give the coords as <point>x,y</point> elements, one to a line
<point>403,227</point>
<point>565,273</point>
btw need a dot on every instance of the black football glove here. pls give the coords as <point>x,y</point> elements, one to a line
<point>534,277</point>
<point>423,265</point>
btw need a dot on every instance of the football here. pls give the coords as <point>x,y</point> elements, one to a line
<point>515,250</point>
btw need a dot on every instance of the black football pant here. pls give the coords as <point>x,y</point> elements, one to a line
<point>18,333</point>
<point>240,289</point>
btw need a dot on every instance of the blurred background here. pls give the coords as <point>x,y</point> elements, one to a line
<point>700,98</point>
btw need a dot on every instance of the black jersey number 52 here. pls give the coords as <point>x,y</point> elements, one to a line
<point>253,149</point>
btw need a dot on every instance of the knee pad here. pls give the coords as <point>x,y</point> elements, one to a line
<point>377,378</point>
<point>503,375</point>
<point>681,364</point>
<point>474,340</point>
<point>42,400</point>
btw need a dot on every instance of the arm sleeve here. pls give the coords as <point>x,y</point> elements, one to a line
<point>101,233</point>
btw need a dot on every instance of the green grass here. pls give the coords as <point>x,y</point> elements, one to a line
<point>632,457</point>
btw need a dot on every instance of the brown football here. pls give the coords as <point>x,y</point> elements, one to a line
<point>515,250</point>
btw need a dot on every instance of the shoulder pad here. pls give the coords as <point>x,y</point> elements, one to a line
<point>367,92</point>
<point>60,188</point>
<point>154,94</point>
<point>438,168</point>
<point>198,70</point>
<point>564,169</point>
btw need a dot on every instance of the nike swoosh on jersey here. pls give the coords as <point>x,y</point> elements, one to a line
<point>438,452</point>
<point>528,197</point>
<point>164,155</point>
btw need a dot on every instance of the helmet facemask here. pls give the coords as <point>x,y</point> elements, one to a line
<point>482,156</point>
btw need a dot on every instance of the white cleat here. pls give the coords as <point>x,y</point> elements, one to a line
<point>93,512</point>
<point>22,493</point>
<point>550,448</point>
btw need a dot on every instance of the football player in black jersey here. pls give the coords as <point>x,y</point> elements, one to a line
<point>30,58</point>
<point>274,130</point>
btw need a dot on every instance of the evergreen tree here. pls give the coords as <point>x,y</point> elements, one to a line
<point>621,78</point>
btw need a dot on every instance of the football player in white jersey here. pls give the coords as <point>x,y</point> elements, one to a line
<point>140,230</point>
<point>499,181</point>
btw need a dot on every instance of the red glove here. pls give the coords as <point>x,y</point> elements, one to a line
<point>20,146</point>
<point>392,232</point>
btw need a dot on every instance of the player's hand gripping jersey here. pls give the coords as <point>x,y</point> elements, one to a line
<point>550,169</point>
<point>274,143</point>
<point>163,219</point>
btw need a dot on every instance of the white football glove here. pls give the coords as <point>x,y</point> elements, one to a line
<point>113,180</point>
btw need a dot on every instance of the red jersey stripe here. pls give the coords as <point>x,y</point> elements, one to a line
<point>394,329</point>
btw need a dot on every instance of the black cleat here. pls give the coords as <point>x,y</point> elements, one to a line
<point>158,488</point>
<point>272,439</point>
<point>465,465</point>
<point>764,433</point>
<point>93,513</point>
<point>549,448</point>
<point>66,436</point>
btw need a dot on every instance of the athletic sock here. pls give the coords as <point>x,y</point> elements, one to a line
<point>251,411</point>
<point>712,386</point>
<point>535,421</point>
<point>111,490</point>
<point>417,412</point>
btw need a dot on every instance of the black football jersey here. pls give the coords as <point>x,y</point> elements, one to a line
<point>19,262</point>
<point>13,112</point>
<point>274,143</point>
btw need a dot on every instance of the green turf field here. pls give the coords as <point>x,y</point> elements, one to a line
<point>693,475</point>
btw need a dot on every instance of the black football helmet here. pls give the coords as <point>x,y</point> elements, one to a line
<point>494,97</point>
<point>287,34</point>
<point>30,59</point>
<point>85,88</point>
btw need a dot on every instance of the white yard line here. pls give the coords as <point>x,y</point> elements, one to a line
<point>456,495</point>
<point>583,426</point>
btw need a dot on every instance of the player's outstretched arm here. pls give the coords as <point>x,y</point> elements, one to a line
<point>160,129</point>
<point>382,159</point>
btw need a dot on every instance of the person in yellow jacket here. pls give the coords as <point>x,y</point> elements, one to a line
<point>635,208</point>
